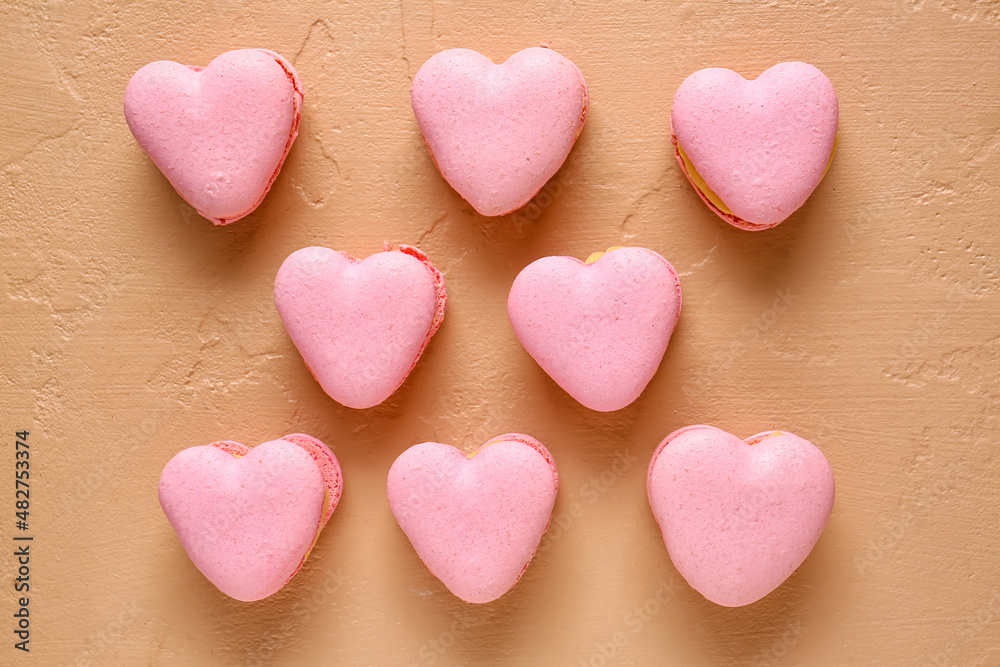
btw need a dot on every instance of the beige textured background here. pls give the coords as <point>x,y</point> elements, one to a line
<point>131,328</point>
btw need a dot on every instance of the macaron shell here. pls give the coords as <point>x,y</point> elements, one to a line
<point>763,145</point>
<point>498,133</point>
<point>232,447</point>
<point>221,133</point>
<point>599,330</point>
<point>360,326</point>
<point>324,458</point>
<point>247,522</point>
<point>738,518</point>
<point>440,290</point>
<point>475,521</point>
<point>329,467</point>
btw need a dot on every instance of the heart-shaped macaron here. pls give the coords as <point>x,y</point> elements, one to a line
<point>755,150</point>
<point>497,133</point>
<point>599,328</point>
<point>738,516</point>
<point>248,517</point>
<point>360,325</point>
<point>475,520</point>
<point>220,133</point>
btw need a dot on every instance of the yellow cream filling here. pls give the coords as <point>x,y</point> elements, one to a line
<point>700,183</point>
<point>769,435</point>
<point>322,518</point>
<point>597,255</point>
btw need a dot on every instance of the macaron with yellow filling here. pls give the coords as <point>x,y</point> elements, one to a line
<point>754,150</point>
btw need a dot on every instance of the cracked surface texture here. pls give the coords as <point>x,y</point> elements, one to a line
<point>868,322</point>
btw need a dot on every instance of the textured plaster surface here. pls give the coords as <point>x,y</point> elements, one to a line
<point>868,323</point>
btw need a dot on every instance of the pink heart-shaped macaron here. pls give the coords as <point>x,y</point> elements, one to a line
<point>360,325</point>
<point>248,517</point>
<point>755,150</point>
<point>598,328</point>
<point>738,517</point>
<point>220,133</point>
<point>475,521</point>
<point>497,133</point>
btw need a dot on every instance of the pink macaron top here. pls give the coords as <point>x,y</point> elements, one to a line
<point>360,325</point>
<point>220,133</point>
<point>599,330</point>
<point>248,517</point>
<point>738,516</point>
<point>497,133</point>
<point>761,145</point>
<point>476,520</point>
